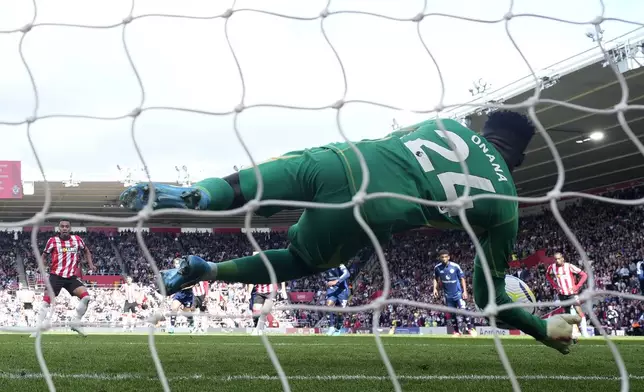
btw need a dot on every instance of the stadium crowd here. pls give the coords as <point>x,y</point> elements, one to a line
<point>612,235</point>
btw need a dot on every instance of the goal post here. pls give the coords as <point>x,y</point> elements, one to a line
<point>342,98</point>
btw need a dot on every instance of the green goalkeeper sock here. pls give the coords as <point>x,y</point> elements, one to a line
<point>517,317</point>
<point>219,191</point>
<point>251,269</point>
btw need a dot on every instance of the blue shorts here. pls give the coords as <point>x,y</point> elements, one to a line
<point>185,297</point>
<point>338,296</point>
<point>456,303</point>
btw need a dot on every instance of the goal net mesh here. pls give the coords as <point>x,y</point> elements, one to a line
<point>441,110</point>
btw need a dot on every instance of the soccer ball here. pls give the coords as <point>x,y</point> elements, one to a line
<point>518,291</point>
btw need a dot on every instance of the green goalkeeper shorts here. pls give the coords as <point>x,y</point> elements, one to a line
<point>322,237</point>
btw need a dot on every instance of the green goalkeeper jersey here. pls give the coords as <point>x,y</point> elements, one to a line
<point>419,161</point>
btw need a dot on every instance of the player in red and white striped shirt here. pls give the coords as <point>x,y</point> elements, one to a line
<point>266,288</point>
<point>200,289</point>
<point>199,300</point>
<point>259,294</point>
<point>563,277</point>
<point>65,249</point>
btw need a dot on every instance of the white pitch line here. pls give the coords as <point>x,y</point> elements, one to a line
<point>339,377</point>
<point>214,343</point>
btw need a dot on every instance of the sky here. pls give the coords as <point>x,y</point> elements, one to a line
<point>186,63</point>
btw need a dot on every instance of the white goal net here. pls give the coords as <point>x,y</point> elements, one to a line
<point>322,34</point>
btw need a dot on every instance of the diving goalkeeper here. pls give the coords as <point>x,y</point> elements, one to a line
<point>416,161</point>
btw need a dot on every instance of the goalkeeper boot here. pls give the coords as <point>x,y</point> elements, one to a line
<point>560,332</point>
<point>189,273</point>
<point>136,197</point>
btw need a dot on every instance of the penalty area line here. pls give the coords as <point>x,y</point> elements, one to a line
<point>339,377</point>
<point>201,342</point>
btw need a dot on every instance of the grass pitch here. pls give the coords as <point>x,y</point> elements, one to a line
<point>105,363</point>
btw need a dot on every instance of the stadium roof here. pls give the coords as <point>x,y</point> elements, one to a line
<point>583,80</point>
<point>590,82</point>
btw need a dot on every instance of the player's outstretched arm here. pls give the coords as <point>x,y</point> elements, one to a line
<point>497,244</point>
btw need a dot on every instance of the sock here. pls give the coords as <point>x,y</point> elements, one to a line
<point>251,269</point>
<point>517,317</point>
<point>191,321</point>
<point>332,317</point>
<point>42,315</point>
<point>584,327</point>
<point>261,324</point>
<point>338,321</point>
<point>173,319</point>
<point>455,322</point>
<point>82,307</point>
<point>219,191</point>
<point>255,320</point>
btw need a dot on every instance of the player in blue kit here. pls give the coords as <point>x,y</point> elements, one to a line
<point>337,293</point>
<point>182,299</point>
<point>451,278</point>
